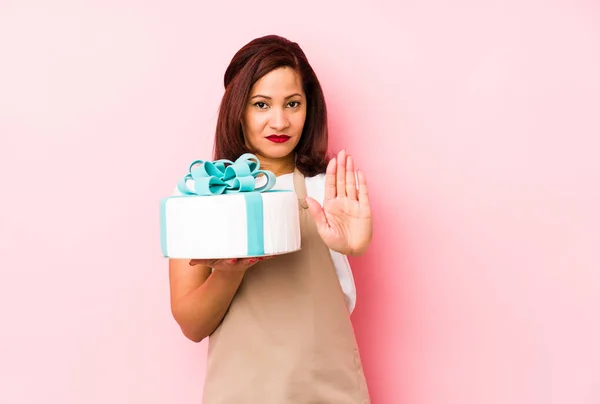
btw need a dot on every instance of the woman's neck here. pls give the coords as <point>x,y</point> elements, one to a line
<point>280,166</point>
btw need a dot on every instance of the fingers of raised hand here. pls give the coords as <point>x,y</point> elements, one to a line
<point>340,177</point>
<point>341,174</point>
<point>363,191</point>
<point>330,175</point>
<point>350,179</point>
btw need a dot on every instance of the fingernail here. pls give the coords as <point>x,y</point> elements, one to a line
<point>261,258</point>
<point>233,261</point>
<point>252,261</point>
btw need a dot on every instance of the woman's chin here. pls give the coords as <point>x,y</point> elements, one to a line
<point>276,153</point>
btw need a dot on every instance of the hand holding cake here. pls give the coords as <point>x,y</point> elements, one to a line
<point>233,265</point>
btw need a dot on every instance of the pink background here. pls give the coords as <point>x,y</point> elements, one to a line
<point>478,128</point>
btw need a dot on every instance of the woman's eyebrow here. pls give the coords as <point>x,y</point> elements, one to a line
<point>268,98</point>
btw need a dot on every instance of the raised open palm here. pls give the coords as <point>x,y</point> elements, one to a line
<point>344,221</point>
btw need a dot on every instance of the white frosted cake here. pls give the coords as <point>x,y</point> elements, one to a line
<point>221,214</point>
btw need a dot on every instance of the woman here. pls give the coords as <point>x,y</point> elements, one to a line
<point>279,328</point>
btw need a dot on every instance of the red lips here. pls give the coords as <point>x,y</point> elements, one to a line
<point>278,138</point>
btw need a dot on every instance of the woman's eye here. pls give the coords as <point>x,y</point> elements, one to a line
<point>260,104</point>
<point>294,104</point>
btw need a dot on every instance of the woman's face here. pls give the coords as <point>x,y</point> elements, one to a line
<point>275,113</point>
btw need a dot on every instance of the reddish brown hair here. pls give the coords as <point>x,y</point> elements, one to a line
<point>254,60</point>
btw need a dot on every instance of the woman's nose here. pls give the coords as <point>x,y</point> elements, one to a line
<point>279,119</point>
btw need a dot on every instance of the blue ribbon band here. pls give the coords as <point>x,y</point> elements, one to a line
<point>254,226</point>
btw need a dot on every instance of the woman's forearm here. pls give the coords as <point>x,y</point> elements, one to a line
<point>199,312</point>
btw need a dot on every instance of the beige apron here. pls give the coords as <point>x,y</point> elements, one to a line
<point>287,336</point>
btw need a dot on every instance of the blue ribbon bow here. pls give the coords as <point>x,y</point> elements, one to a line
<point>225,177</point>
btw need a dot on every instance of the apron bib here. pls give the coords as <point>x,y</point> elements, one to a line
<point>287,335</point>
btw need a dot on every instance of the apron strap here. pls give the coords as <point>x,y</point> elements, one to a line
<point>300,188</point>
